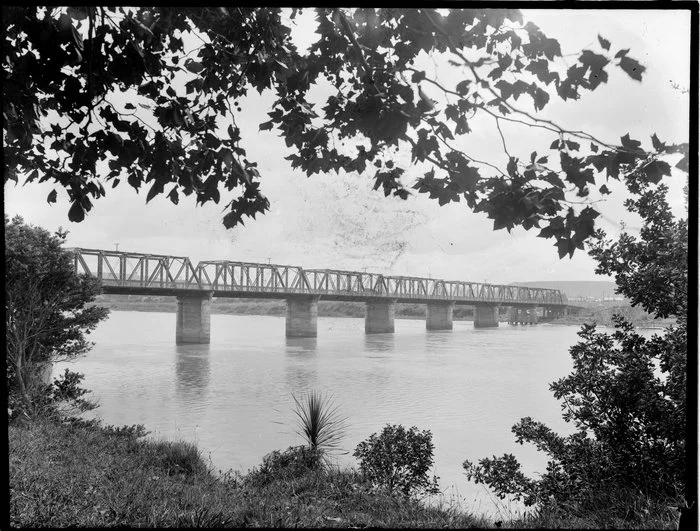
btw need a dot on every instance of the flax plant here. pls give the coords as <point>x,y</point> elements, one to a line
<point>319,421</point>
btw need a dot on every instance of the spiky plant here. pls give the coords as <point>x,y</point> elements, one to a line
<point>320,421</point>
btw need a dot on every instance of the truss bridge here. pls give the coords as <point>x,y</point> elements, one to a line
<point>195,285</point>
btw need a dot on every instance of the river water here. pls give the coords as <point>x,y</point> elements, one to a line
<point>234,397</point>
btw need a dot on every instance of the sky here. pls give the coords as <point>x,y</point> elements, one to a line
<point>338,222</point>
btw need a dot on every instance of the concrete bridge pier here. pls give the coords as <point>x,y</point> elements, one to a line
<point>302,314</point>
<point>531,315</point>
<point>193,319</point>
<point>379,316</point>
<point>514,315</point>
<point>527,315</point>
<point>439,316</point>
<point>549,313</point>
<point>485,315</point>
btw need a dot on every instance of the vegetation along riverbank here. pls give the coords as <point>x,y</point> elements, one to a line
<point>594,312</point>
<point>79,474</point>
<point>76,473</point>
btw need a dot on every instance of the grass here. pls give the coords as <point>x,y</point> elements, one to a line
<point>619,508</point>
<point>661,518</point>
<point>83,475</point>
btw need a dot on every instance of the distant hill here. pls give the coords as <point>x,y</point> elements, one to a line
<point>596,289</point>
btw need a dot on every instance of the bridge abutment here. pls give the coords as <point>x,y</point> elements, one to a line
<point>193,319</point>
<point>302,315</point>
<point>439,316</point>
<point>485,316</point>
<point>379,316</point>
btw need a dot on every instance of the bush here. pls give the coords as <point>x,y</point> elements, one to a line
<point>626,395</point>
<point>177,457</point>
<point>47,318</point>
<point>398,460</point>
<point>292,463</point>
<point>62,397</point>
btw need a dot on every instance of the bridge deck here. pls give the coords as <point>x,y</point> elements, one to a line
<point>137,273</point>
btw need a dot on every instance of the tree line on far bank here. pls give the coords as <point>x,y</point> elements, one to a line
<point>600,313</point>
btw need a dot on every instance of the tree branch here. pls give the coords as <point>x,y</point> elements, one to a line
<point>557,128</point>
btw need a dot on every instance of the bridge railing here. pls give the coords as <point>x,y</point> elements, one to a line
<point>326,281</point>
<point>338,281</point>
<point>223,275</point>
<point>138,270</point>
<point>128,269</point>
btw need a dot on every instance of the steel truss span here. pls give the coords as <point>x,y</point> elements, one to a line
<point>138,273</point>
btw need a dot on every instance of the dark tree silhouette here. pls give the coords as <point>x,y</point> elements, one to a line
<point>68,71</point>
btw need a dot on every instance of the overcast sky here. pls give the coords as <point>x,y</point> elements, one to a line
<point>336,221</point>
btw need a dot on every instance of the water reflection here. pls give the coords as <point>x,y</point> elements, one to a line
<point>379,353</point>
<point>301,345</point>
<point>192,371</point>
<point>435,339</point>
<point>300,364</point>
<point>379,343</point>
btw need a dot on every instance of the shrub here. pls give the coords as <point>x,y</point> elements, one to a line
<point>630,431</point>
<point>47,317</point>
<point>398,460</point>
<point>177,457</point>
<point>292,463</point>
<point>64,397</point>
<point>626,395</point>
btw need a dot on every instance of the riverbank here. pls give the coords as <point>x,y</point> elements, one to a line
<point>137,303</point>
<point>604,317</point>
<point>600,314</point>
<point>84,475</point>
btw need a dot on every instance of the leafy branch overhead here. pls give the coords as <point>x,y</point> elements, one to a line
<point>95,96</point>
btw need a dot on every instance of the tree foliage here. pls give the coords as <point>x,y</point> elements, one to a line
<point>652,270</point>
<point>626,396</point>
<point>399,460</point>
<point>94,96</point>
<point>292,463</point>
<point>46,317</point>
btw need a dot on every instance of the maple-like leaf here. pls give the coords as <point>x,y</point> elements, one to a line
<point>632,67</point>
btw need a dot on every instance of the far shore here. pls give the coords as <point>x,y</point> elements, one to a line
<point>356,310</point>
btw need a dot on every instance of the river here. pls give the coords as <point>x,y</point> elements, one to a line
<point>234,397</point>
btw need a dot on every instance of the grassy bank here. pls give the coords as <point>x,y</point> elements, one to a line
<point>77,475</point>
